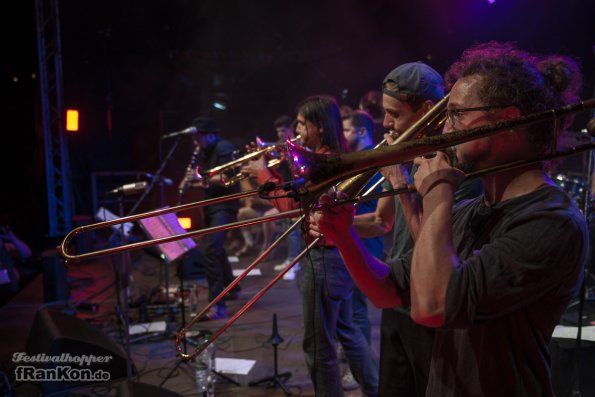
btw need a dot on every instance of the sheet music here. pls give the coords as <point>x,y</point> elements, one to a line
<point>165,226</point>
<point>104,214</point>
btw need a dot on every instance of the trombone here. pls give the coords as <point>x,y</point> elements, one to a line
<point>267,148</point>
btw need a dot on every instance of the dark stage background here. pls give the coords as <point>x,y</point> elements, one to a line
<point>155,65</point>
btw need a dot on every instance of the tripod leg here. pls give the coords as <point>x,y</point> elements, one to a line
<point>279,382</point>
<point>261,381</point>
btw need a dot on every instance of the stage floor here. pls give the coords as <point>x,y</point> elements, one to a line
<point>92,286</point>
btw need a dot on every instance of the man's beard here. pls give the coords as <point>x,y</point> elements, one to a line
<point>471,164</point>
<point>465,165</point>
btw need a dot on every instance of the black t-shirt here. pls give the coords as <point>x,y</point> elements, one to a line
<point>218,154</point>
<point>402,240</point>
<point>520,265</point>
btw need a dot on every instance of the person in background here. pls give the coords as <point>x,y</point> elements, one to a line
<point>252,207</point>
<point>17,264</point>
<point>210,253</point>
<point>372,103</point>
<point>358,128</point>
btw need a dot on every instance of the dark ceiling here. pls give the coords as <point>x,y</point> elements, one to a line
<point>158,64</point>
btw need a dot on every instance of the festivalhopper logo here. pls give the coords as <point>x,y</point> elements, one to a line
<point>68,368</point>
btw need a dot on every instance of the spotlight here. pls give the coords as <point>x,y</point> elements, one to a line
<point>220,102</point>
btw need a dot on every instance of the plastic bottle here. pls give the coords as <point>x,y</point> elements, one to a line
<point>205,365</point>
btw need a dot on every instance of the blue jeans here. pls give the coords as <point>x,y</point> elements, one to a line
<point>327,291</point>
<point>294,240</point>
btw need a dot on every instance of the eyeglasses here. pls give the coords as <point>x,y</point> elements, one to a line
<point>454,115</point>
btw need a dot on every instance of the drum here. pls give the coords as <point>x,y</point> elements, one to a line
<point>575,187</point>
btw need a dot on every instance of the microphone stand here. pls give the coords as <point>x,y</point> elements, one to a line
<point>276,379</point>
<point>157,177</point>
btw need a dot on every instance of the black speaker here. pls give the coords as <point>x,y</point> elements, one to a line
<point>57,341</point>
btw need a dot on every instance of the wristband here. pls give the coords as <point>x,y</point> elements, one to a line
<point>452,176</point>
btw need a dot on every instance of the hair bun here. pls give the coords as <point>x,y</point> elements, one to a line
<point>563,75</point>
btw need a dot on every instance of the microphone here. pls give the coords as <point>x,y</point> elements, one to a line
<point>187,131</point>
<point>166,181</point>
<point>130,188</point>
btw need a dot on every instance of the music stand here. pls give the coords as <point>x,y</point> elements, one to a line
<point>164,226</point>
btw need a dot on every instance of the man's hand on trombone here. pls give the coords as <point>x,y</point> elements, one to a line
<point>396,174</point>
<point>434,171</point>
<point>333,222</point>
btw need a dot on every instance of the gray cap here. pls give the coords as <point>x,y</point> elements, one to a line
<point>414,80</point>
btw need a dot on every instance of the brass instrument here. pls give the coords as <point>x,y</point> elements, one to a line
<point>64,251</point>
<point>277,151</point>
<point>322,171</point>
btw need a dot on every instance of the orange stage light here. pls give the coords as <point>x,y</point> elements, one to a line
<point>72,120</point>
<point>186,223</point>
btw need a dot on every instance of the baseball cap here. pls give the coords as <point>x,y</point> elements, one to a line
<point>205,125</point>
<point>414,80</point>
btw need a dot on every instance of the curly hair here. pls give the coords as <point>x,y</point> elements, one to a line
<point>324,112</point>
<point>513,77</point>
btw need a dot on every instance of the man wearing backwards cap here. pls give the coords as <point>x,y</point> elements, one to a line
<point>409,91</point>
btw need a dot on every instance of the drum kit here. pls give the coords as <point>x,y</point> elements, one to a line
<point>575,187</point>
<point>573,179</point>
